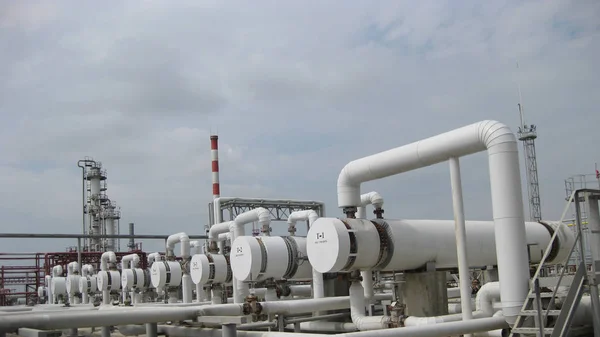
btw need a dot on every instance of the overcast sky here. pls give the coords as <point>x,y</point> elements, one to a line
<point>295,89</point>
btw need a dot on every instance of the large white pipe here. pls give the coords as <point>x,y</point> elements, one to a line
<point>57,271</point>
<point>375,199</point>
<point>199,287</point>
<point>317,278</point>
<point>72,268</point>
<point>152,257</point>
<point>182,238</point>
<point>87,270</point>
<point>484,307</point>
<point>106,258</point>
<point>507,200</point>
<point>240,289</point>
<point>130,261</point>
<point>357,311</point>
<point>411,244</point>
<point>370,198</point>
<point>461,240</point>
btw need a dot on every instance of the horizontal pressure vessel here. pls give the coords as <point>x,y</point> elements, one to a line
<point>396,245</point>
<point>135,278</point>
<point>88,284</point>
<point>165,274</point>
<point>72,284</point>
<point>210,268</point>
<point>58,286</point>
<point>108,280</point>
<point>255,258</point>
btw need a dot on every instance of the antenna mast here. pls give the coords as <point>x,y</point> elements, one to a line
<point>527,134</point>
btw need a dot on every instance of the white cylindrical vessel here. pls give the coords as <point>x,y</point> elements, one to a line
<point>135,278</point>
<point>72,284</point>
<point>353,244</point>
<point>108,280</point>
<point>58,286</point>
<point>261,257</point>
<point>209,269</point>
<point>165,274</point>
<point>88,284</point>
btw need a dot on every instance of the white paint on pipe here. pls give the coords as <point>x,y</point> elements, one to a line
<point>240,289</point>
<point>370,198</point>
<point>130,261</point>
<point>106,258</point>
<point>174,239</point>
<point>487,295</point>
<point>153,257</point>
<point>305,215</point>
<point>461,239</point>
<point>357,311</point>
<point>507,200</point>
<point>317,278</point>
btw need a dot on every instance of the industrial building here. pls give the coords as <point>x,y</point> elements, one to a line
<point>356,273</point>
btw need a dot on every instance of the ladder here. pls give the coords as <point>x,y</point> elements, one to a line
<point>539,315</point>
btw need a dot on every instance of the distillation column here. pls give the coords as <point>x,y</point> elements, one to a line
<point>95,175</point>
<point>111,215</point>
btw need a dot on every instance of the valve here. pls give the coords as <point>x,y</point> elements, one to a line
<point>350,212</point>
<point>397,316</point>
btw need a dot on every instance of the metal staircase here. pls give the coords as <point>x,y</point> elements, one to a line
<point>540,315</point>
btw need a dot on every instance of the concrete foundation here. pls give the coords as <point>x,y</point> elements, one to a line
<point>425,293</point>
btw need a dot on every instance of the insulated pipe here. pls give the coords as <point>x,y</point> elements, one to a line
<point>48,279</point>
<point>240,289</point>
<point>484,307</point>
<point>507,200</point>
<point>57,271</point>
<point>130,261</point>
<point>461,240</point>
<point>199,287</point>
<point>72,268</point>
<point>357,311</point>
<point>317,278</point>
<point>296,216</point>
<point>105,258</point>
<point>87,270</point>
<point>371,198</point>
<point>153,257</point>
<point>179,238</point>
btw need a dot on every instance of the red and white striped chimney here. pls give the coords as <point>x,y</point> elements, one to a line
<point>214,154</point>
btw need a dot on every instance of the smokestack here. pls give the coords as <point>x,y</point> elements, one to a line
<point>214,154</point>
<point>131,244</point>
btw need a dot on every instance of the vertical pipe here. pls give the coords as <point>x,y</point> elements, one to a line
<point>229,330</point>
<point>214,154</point>
<point>151,330</point>
<point>461,240</point>
<point>105,331</point>
<point>79,252</point>
<point>131,244</point>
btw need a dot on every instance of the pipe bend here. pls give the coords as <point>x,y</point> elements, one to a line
<point>182,238</point>
<point>296,216</point>
<point>106,258</point>
<point>153,257</point>
<point>57,271</point>
<point>484,301</point>
<point>130,261</point>
<point>371,198</point>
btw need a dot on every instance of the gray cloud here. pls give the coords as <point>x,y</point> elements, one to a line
<point>295,92</point>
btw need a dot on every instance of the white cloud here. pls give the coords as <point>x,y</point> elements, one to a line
<point>295,91</point>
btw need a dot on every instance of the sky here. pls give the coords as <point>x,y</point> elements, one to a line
<point>295,90</point>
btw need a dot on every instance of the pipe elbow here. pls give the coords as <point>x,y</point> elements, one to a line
<point>348,190</point>
<point>372,198</point>
<point>72,268</point>
<point>264,217</point>
<point>153,257</point>
<point>493,133</point>
<point>484,301</point>
<point>57,271</point>
<point>173,239</point>
<point>106,258</point>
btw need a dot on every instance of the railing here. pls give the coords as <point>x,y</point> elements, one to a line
<point>579,242</point>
